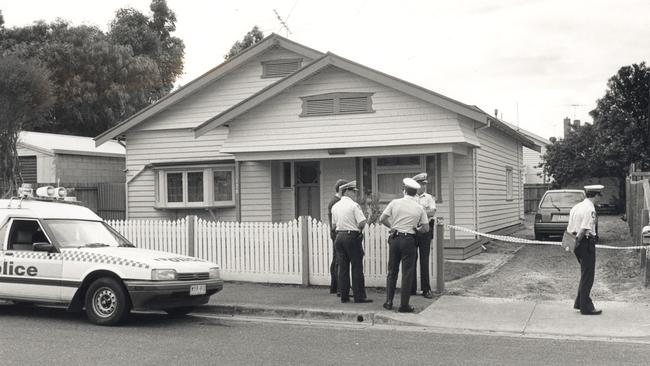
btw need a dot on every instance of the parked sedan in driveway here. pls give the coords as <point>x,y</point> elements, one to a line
<point>552,215</point>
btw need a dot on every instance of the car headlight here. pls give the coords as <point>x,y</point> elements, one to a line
<point>214,273</point>
<point>163,274</point>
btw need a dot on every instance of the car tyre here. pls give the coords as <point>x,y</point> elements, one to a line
<point>180,311</point>
<point>106,302</point>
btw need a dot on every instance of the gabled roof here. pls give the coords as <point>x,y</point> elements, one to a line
<point>204,80</point>
<point>330,59</point>
<point>51,144</point>
<point>536,139</point>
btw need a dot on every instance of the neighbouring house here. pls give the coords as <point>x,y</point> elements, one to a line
<point>265,135</point>
<point>95,172</point>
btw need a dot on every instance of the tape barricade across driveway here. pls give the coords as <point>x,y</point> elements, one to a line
<point>513,239</point>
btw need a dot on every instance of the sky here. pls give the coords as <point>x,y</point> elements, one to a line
<point>535,61</point>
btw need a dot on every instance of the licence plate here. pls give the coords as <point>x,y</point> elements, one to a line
<point>197,290</point>
<point>560,218</point>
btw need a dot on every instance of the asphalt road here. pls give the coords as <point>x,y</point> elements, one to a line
<point>40,336</point>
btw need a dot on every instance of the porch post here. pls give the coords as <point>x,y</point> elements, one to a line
<point>452,198</point>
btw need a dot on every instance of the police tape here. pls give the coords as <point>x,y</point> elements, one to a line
<point>513,239</point>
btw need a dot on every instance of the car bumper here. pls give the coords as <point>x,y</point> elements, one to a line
<point>157,295</point>
<point>550,227</point>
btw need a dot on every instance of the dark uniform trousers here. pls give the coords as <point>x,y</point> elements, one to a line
<point>349,251</point>
<point>586,254</point>
<point>334,268</point>
<point>401,249</point>
<point>423,244</point>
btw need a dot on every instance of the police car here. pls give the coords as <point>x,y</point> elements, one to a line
<point>61,253</point>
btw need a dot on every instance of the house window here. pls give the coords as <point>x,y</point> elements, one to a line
<point>390,171</point>
<point>195,186</point>
<point>286,175</point>
<point>509,183</point>
<point>192,187</point>
<point>434,171</point>
<point>280,68</point>
<point>223,185</point>
<point>175,187</point>
<point>384,175</point>
<point>336,103</point>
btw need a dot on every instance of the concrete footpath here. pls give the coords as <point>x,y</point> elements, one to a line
<point>554,319</point>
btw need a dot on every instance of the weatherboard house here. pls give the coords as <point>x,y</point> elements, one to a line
<point>265,135</point>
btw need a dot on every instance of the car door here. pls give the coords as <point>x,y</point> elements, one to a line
<point>27,274</point>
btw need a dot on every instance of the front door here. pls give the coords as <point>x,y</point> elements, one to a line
<point>307,175</point>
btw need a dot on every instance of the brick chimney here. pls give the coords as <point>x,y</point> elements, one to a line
<point>567,126</point>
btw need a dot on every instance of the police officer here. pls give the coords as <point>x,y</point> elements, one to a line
<point>582,224</point>
<point>349,221</point>
<point>423,240</point>
<point>404,217</point>
<point>333,267</point>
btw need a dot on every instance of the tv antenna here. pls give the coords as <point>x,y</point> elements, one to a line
<point>283,23</point>
<point>574,105</point>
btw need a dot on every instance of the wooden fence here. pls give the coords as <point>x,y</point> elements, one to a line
<point>532,194</point>
<point>637,208</point>
<point>294,252</point>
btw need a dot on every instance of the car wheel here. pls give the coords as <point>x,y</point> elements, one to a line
<point>183,310</point>
<point>106,302</point>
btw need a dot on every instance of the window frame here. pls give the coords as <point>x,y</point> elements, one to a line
<point>283,183</point>
<point>394,169</point>
<point>161,193</point>
<point>510,183</point>
<point>336,97</point>
<point>434,187</point>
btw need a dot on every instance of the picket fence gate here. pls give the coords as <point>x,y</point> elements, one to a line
<point>263,252</point>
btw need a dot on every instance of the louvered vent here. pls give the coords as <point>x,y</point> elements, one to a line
<point>276,69</point>
<point>354,104</point>
<point>319,106</point>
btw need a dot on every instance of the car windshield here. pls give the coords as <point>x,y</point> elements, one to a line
<point>80,233</point>
<point>561,199</point>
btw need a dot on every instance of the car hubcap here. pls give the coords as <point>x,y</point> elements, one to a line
<point>104,302</point>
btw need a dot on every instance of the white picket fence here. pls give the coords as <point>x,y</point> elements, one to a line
<point>262,251</point>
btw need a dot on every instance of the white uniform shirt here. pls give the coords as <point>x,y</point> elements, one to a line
<point>405,214</point>
<point>582,216</point>
<point>427,202</point>
<point>346,215</point>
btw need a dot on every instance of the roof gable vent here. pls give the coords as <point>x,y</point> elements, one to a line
<point>280,68</point>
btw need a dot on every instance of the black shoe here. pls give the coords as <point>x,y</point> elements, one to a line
<point>593,312</point>
<point>333,291</point>
<point>406,309</point>
<point>362,301</point>
<point>345,299</point>
<point>388,305</point>
<point>427,294</point>
<point>576,307</point>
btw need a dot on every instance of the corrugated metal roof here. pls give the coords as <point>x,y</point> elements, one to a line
<point>68,144</point>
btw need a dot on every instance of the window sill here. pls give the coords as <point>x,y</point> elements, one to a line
<point>193,207</point>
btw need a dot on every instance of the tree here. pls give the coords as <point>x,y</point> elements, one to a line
<point>622,119</point>
<point>151,37</point>
<point>100,79</point>
<point>253,36</point>
<point>574,157</point>
<point>619,136</point>
<point>25,95</point>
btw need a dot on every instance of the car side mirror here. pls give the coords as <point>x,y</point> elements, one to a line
<point>43,247</point>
